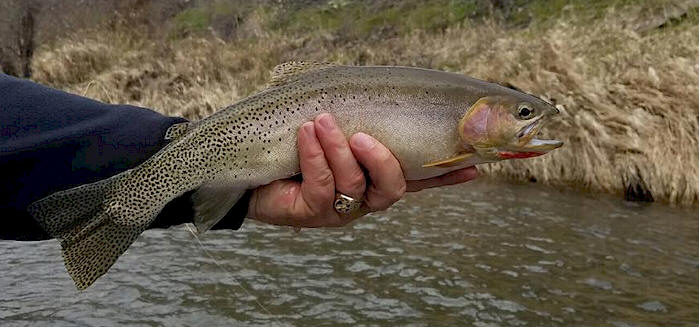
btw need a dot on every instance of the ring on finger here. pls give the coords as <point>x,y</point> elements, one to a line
<point>345,204</point>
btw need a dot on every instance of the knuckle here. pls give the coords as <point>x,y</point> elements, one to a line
<point>376,204</point>
<point>324,178</point>
<point>316,153</point>
<point>355,183</point>
<point>336,144</point>
<point>318,211</point>
<point>398,193</point>
<point>381,200</point>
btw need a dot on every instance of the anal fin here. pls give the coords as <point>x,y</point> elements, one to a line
<point>452,161</point>
<point>212,201</point>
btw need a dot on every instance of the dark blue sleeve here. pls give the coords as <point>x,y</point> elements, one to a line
<point>51,141</point>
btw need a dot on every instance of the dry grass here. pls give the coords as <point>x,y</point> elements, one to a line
<point>629,99</point>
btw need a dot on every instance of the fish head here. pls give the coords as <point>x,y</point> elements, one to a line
<point>505,126</point>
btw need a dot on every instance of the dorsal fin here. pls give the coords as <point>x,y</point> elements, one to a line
<point>176,130</point>
<point>287,72</point>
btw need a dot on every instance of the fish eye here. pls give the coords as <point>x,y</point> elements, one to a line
<point>525,111</point>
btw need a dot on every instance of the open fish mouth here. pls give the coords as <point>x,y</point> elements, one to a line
<point>533,127</point>
<point>528,143</point>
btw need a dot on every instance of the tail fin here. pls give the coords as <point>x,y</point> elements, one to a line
<point>84,221</point>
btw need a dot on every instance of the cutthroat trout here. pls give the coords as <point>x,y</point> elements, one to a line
<point>433,122</point>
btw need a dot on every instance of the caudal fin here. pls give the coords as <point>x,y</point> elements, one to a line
<point>86,223</point>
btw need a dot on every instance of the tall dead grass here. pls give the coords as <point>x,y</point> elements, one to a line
<point>629,99</point>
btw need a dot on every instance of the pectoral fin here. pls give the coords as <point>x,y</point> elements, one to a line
<point>452,161</point>
<point>212,201</point>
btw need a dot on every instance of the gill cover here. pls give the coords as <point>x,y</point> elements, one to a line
<point>478,126</point>
<point>473,130</point>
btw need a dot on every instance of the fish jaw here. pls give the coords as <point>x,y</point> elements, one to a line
<point>533,148</point>
<point>518,154</point>
<point>527,145</point>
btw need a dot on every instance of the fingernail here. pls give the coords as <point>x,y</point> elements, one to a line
<point>308,128</point>
<point>326,121</point>
<point>362,141</point>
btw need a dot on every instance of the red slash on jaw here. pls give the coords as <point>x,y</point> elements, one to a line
<point>525,154</point>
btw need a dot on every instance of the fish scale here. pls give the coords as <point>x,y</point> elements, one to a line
<point>430,120</point>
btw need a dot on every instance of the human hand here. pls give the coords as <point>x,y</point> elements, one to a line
<point>328,164</point>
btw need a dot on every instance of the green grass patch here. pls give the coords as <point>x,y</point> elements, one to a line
<point>360,19</point>
<point>189,21</point>
<point>541,13</point>
<point>353,20</point>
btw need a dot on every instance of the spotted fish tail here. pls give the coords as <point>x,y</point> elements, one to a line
<point>83,221</point>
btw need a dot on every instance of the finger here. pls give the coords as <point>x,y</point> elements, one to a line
<point>454,177</point>
<point>279,203</point>
<point>318,187</point>
<point>274,203</point>
<point>348,176</point>
<point>388,183</point>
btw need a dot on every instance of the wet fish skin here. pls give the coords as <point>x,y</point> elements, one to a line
<point>421,115</point>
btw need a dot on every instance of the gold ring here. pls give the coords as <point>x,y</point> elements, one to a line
<point>345,204</point>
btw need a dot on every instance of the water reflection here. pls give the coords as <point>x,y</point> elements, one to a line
<point>482,254</point>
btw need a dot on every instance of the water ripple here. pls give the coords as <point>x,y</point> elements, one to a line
<point>482,254</point>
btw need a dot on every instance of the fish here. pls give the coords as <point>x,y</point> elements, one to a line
<point>434,122</point>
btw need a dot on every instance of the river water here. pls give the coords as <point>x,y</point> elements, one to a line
<point>484,253</point>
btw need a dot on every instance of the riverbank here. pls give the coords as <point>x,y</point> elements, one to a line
<point>624,75</point>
